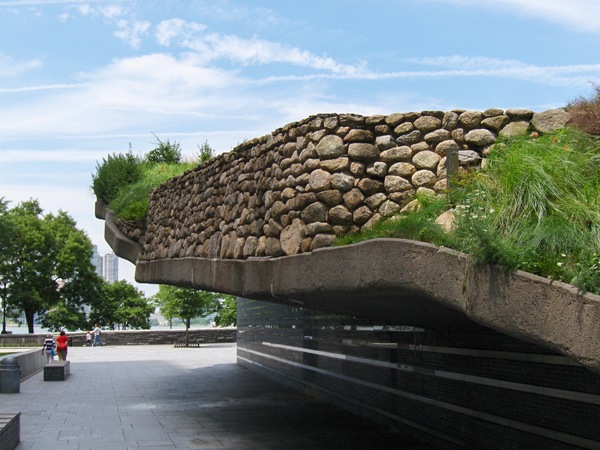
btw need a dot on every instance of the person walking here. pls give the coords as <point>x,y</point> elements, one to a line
<point>97,334</point>
<point>88,339</point>
<point>62,343</point>
<point>48,348</point>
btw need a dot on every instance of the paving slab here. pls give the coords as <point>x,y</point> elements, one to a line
<point>160,397</point>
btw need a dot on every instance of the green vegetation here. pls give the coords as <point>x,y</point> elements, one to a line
<point>535,207</point>
<point>121,306</point>
<point>124,181</point>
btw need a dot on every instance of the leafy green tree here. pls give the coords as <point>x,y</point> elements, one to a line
<point>227,312</point>
<point>164,152</point>
<point>205,152</point>
<point>121,305</point>
<point>185,304</point>
<point>47,263</point>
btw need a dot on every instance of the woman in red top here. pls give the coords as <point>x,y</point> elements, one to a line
<point>61,346</point>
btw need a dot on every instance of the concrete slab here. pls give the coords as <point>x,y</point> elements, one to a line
<point>160,397</point>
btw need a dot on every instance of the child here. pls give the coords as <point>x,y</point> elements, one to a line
<point>48,348</point>
<point>88,339</point>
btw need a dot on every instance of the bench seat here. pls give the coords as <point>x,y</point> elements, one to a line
<point>10,430</point>
<point>57,371</point>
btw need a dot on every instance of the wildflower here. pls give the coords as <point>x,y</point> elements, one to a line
<point>560,264</point>
<point>534,134</point>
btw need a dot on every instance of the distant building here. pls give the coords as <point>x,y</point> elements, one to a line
<point>97,261</point>
<point>111,268</point>
<point>107,266</point>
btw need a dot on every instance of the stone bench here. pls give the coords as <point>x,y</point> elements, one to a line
<point>57,371</point>
<point>10,430</point>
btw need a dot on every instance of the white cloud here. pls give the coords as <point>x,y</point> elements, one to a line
<point>580,15</point>
<point>253,51</point>
<point>168,30</point>
<point>132,31</point>
<point>9,67</point>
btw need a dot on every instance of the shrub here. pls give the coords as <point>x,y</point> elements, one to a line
<point>164,152</point>
<point>205,152</point>
<point>585,112</point>
<point>114,173</point>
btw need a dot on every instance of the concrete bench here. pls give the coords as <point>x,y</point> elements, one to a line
<point>57,371</point>
<point>10,430</point>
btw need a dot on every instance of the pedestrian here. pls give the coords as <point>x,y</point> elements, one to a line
<point>97,334</point>
<point>88,339</point>
<point>62,342</point>
<point>48,348</point>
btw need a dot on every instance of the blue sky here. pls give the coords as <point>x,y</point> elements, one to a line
<point>82,79</point>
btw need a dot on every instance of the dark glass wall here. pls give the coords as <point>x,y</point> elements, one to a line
<point>472,388</point>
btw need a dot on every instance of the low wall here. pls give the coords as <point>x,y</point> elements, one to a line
<point>31,361</point>
<point>132,337</point>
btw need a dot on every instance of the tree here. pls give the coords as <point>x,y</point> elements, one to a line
<point>205,152</point>
<point>227,312</point>
<point>185,304</point>
<point>121,305</point>
<point>47,264</point>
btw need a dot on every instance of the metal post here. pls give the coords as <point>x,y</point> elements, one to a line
<point>4,301</point>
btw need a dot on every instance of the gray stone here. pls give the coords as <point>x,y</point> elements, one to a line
<point>446,220</point>
<point>369,186</point>
<point>273,247</point>
<point>396,154</point>
<point>394,119</point>
<point>375,200</point>
<point>470,119</point>
<point>410,138</point>
<point>514,129</point>
<point>322,240</point>
<point>339,215</point>
<point>385,142</point>
<point>292,237</point>
<point>495,123</point>
<point>395,183</point>
<point>480,137</point>
<point>450,121</point>
<point>335,165</point>
<point>423,178</point>
<point>427,124</point>
<point>363,152</point>
<point>437,136</point>
<point>468,157</point>
<point>519,114</point>
<point>315,212</point>
<point>319,180</point>
<point>359,135</point>
<point>377,169</point>
<point>389,208</point>
<point>250,246</point>
<point>362,215</point>
<point>330,147</point>
<point>353,198</point>
<point>444,147</point>
<point>550,120</point>
<point>331,197</point>
<point>342,181</point>
<point>426,160</point>
<point>402,169</point>
<point>404,128</point>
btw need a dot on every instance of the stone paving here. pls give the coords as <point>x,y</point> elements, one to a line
<point>160,397</point>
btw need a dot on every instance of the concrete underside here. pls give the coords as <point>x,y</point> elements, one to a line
<point>407,282</point>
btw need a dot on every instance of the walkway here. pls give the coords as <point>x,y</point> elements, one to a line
<point>160,397</point>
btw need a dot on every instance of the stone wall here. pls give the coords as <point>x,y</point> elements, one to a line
<point>296,189</point>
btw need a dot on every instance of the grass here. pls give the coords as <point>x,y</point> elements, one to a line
<point>131,203</point>
<point>535,207</point>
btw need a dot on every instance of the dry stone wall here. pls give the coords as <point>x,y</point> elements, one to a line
<point>296,189</point>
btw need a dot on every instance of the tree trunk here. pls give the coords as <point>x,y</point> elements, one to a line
<point>29,319</point>
<point>187,327</point>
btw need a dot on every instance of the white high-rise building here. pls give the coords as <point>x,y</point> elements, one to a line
<point>111,268</point>
<point>98,262</point>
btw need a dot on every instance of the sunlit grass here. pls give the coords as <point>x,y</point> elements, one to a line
<point>535,207</point>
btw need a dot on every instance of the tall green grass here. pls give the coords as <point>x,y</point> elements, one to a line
<point>535,207</point>
<point>131,203</point>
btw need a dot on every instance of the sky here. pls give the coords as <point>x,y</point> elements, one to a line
<point>80,80</point>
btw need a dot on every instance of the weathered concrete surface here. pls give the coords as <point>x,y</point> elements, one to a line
<point>397,280</point>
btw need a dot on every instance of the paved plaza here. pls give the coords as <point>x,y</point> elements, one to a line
<point>160,397</point>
